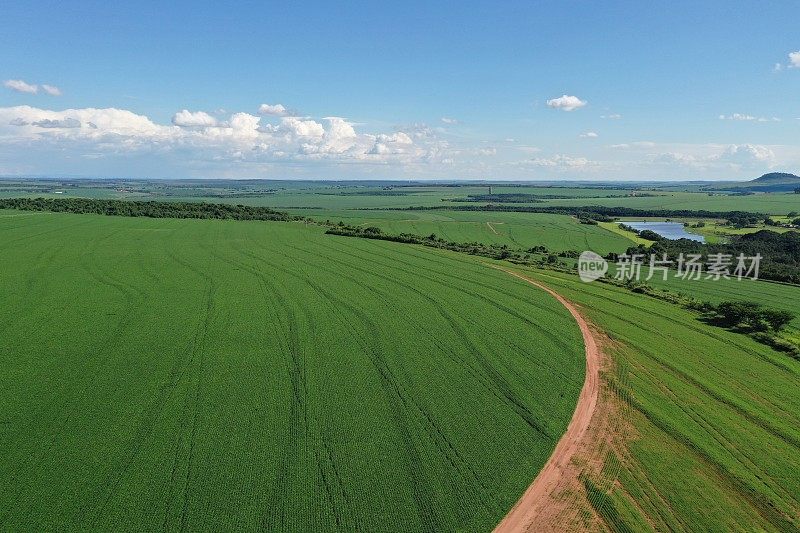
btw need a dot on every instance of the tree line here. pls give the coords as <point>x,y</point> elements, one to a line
<point>493,251</point>
<point>151,209</point>
<point>532,198</point>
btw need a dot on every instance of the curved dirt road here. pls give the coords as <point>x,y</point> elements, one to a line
<point>525,513</point>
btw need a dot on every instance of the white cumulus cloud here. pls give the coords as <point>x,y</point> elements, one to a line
<point>747,154</point>
<point>794,62</point>
<point>301,128</point>
<point>244,125</point>
<point>566,103</point>
<point>709,158</point>
<point>794,59</point>
<point>27,121</point>
<point>21,87</point>
<point>197,119</point>
<point>276,110</point>
<point>448,120</point>
<point>589,135</point>
<point>397,137</point>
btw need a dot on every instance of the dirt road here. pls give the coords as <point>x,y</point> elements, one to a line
<point>491,227</point>
<point>526,513</point>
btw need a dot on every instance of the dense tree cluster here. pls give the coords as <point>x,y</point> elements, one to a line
<point>646,234</point>
<point>372,192</point>
<point>509,198</point>
<point>145,209</point>
<point>750,316</point>
<point>780,252</point>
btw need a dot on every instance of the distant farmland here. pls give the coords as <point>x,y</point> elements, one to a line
<point>186,374</point>
<point>557,233</point>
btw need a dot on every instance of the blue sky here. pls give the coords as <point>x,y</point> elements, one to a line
<point>664,90</point>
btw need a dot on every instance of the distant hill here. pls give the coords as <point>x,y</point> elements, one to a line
<point>772,182</point>
<point>777,177</point>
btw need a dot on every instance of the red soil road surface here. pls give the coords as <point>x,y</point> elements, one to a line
<point>523,516</point>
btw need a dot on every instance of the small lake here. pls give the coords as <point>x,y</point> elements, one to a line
<point>668,230</point>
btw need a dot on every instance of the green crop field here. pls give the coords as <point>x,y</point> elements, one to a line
<point>708,420</point>
<point>209,374</point>
<point>516,230</point>
<point>163,374</point>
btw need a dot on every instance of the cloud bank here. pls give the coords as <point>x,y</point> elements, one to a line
<point>121,142</point>
<point>197,135</point>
